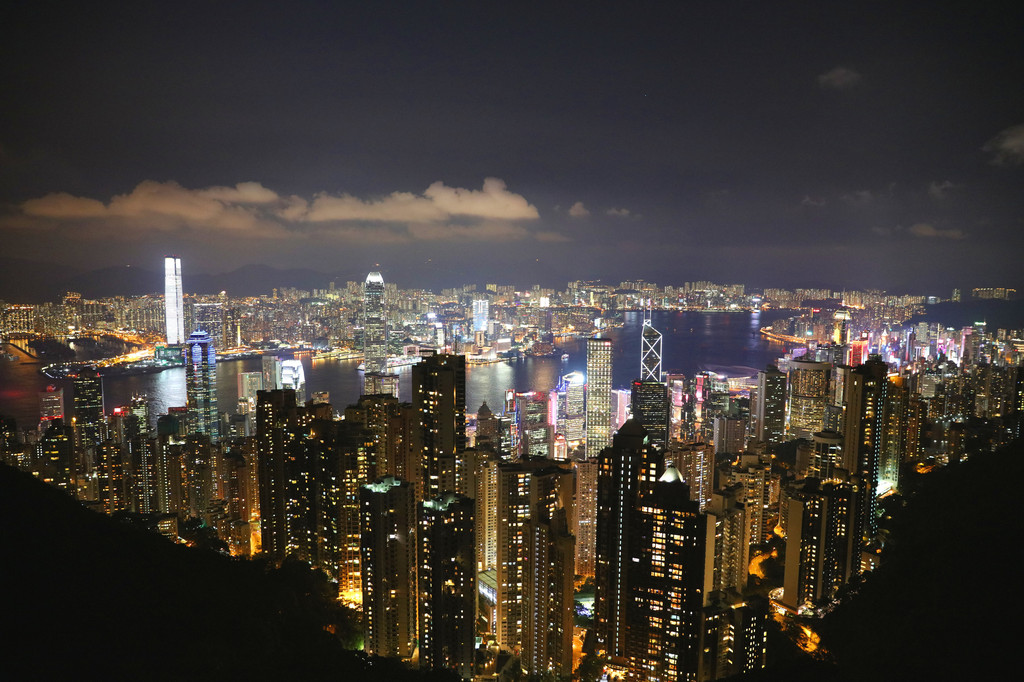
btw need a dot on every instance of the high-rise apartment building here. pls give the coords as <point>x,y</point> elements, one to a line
<point>667,582</point>
<point>174,307</point>
<point>56,457</point>
<point>535,562</point>
<point>821,544</point>
<point>695,463</point>
<point>201,386</point>
<point>439,401</point>
<point>863,440</point>
<point>446,573</point>
<point>599,390</point>
<point>375,328</point>
<point>387,512</point>
<point>625,470</point>
<point>310,469</point>
<point>586,515</point>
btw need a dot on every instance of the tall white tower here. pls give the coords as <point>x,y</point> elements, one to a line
<point>174,308</point>
<point>650,353</point>
<point>375,326</point>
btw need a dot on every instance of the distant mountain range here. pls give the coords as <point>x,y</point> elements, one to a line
<point>23,281</point>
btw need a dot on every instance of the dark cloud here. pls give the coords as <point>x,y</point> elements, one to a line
<point>840,78</point>
<point>1007,148</point>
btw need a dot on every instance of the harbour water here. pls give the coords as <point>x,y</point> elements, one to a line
<point>728,343</point>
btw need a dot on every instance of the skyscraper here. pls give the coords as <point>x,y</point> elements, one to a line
<point>375,328</point>
<point>271,373</point>
<point>387,511</point>
<point>821,543</point>
<point>866,391</point>
<point>625,470</point>
<point>446,573</point>
<point>535,563</point>
<point>599,394</point>
<point>667,583</point>
<point>651,408</point>
<point>88,402</point>
<point>174,309</point>
<point>201,386</point>
<point>481,309</point>
<point>808,394</point>
<point>771,406</point>
<point>293,377</point>
<point>572,411</point>
<point>650,353</point>
<point>439,400</point>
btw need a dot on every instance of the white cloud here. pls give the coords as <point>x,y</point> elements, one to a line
<point>619,212</point>
<point>439,213</point>
<point>397,207</point>
<point>493,201</point>
<point>930,232</point>
<point>808,201</point>
<point>840,78</point>
<point>1007,147</point>
<point>578,210</point>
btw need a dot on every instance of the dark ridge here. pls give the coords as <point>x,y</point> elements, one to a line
<point>942,604</point>
<point>86,595</point>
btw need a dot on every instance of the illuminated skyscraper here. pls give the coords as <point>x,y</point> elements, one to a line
<point>535,564</point>
<point>651,409</point>
<point>586,515</point>
<point>667,582</point>
<point>51,405</point>
<point>446,574</point>
<point>821,543</point>
<point>387,512</point>
<point>536,433</point>
<point>293,377</point>
<point>808,394</point>
<point>271,373</point>
<point>481,309</point>
<point>439,400</point>
<point>174,308</point>
<point>599,394</point>
<point>56,456</point>
<point>770,412</point>
<point>572,411</point>
<point>650,353</point>
<point>88,406</point>
<point>375,327</point>
<point>201,386</point>
<point>626,470</point>
<point>866,391</point>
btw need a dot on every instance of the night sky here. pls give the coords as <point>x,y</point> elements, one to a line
<point>777,144</point>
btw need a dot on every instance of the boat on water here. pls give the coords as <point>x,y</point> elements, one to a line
<point>565,357</point>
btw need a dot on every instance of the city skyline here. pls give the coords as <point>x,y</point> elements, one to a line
<point>859,144</point>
